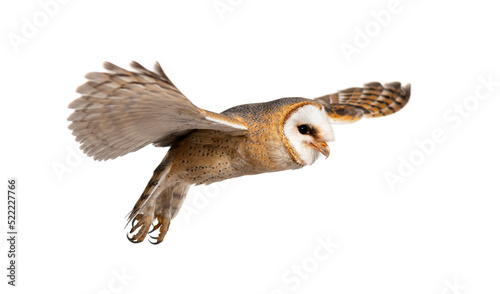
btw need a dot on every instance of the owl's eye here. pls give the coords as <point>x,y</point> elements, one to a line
<point>304,129</point>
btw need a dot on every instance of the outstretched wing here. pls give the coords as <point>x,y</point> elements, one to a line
<point>121,111</point>
<point>372,100</point>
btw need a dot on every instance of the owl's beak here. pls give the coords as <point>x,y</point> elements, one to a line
<point>321,147</point>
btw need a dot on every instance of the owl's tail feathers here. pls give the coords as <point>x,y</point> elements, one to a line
<point>160,202</point>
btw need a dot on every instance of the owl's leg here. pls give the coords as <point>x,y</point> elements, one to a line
<point>144,211</point>
<point>167,205</point>
<point>159,203</point>
<point>162,215</point>
<point>143,222</point>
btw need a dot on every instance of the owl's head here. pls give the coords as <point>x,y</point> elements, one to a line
<point>307,129</point>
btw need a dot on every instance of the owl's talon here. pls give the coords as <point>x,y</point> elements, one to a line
<point>136,219</point>
<point>163,224</point>
<point>154,243</point>
<point>132,239</point>
<point>141,223</point>
<point>158,225</point>
<point>157,239</point>
<point>141,235</point>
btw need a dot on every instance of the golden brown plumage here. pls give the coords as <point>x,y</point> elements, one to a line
<point>121,111</point>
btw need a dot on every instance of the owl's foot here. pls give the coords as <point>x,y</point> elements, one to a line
<point>142,223</point>
<point>163,223</point>
<point>153,213</point>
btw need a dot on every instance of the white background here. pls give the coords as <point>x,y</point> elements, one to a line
<point>436,232</point>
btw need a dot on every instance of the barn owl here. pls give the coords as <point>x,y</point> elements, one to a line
<point>121,111</point>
